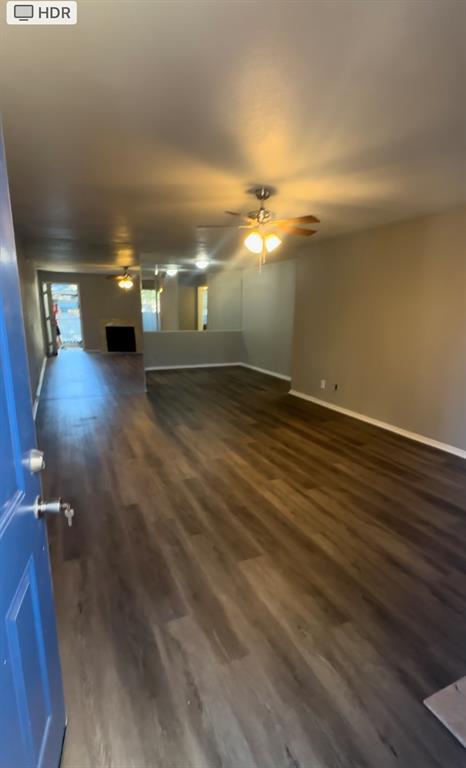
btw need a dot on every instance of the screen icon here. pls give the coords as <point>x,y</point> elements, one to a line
<point>33,14</point>
<point>24,12</point>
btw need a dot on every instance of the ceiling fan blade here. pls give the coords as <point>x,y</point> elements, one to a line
<point>216,226</point>
<point>243,216</point>
<point>300,220</point>
<point>125,273</point>
<point>291,230</point>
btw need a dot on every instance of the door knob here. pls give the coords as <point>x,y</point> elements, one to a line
<point>54,507</point>
<point>35,460</point>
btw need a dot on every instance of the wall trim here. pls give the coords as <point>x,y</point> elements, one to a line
<point>382,424</point>
<point>217,365</point>
<point>191,365</point>
<point>39,388</point>
<point>196,330</point>
<point>267,372</point>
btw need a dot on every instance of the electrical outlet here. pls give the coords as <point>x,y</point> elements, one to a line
<point>323,383</point>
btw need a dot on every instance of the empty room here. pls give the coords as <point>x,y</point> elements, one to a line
<point>233,384</point>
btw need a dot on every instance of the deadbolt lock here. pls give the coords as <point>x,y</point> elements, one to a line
<point>35,460</point>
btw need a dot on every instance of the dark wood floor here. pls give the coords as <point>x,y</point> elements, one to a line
<point>252,581</point>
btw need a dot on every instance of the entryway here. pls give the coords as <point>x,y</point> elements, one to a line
<point>66,314</point>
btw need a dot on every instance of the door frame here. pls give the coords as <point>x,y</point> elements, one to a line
<point>46,312</point>
<point>76,283</point>
<point>45,319</point>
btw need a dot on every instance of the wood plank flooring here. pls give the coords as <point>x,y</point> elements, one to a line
<point>252,581</point>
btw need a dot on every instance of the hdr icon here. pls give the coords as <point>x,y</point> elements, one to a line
<point>51,12</point>
<point>54,12</point>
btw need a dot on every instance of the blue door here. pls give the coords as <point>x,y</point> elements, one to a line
<point>32,712</point>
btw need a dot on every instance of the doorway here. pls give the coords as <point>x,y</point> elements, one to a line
<point>66,314</point>
<point>202,307</point>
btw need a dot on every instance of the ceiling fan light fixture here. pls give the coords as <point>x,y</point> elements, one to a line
<point>272,241</point>
<point>172,270</point>
<point>202,262</point>
<point>126,283</point>
<point>254,242</point>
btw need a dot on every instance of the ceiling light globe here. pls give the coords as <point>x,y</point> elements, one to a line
<point>254,242</point>
<point>272,241</point>
<point>126,283</point>
<point>202,263</point>
<point>172,270</point>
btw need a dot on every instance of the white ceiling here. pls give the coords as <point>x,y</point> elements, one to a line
<point>148,118</point>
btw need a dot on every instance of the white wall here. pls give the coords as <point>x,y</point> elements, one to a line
<point>267,317</point>
<point>381,314</point>
<point>225,300</point>
<point>259,306</point>
<point>30,298</point>
<point>169,304</point>
<point>187,304</point>
<point>184,348</point>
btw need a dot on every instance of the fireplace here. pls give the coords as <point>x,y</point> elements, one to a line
<point>120,338</point>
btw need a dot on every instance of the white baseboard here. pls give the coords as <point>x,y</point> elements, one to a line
<point>192,365</point>
<point>217,365</point>
<point>382,424</point>
<point>106,352</point>
<point>39,389</point>
<point>264,370</point>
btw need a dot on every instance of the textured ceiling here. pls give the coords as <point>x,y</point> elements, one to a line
<point>148,118</point>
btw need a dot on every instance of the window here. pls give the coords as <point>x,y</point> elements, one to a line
<point>150,302</point>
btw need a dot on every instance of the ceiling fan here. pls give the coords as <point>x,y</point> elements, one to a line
<point>124,281</point>
<point>260,219</point>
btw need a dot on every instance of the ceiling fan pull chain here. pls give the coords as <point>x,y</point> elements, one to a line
<point>262,256</point>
